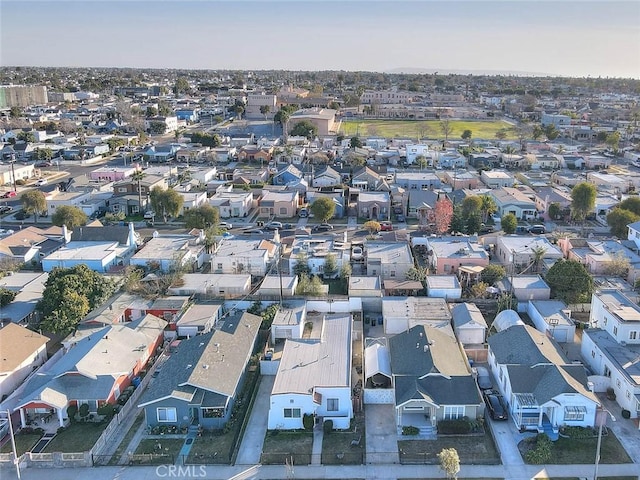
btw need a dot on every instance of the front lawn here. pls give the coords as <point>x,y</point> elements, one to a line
<point>127,438</point>
<point>337,448</point>
<point>165,446</point>
<point>472,450</point>
<point>281,445</point>
<point>336,286</point>
<point>24,443</point>
<point>568,451</point>
<point>211,448</point>
<point>77,437</point>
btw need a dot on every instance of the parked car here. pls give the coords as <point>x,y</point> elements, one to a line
<point>495,405</point>
<point>486,229</point>
<point>303,213</point>
<point>400,218</point>
<point>538,230</point>
<point>21,215</point>
<point>42,181</point>
<point>149,215</point>
<point>42,164</point>
<point>225,225</point>
<point>483,378</point>
<point>323,227</point>
<point>357,253</point>
<point>9,194</point>
<point>386,226</point>
<point>5,209</point>
<point>253,231</point>
<point>273,226</point>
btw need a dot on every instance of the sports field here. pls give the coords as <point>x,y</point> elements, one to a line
<point>480,129</point>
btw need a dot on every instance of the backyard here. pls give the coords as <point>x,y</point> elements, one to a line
<point>472,450</point>
<point>77,437</point>
<point>481,129</point>
<point>280,445</point>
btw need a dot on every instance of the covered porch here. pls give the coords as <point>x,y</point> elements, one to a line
<point>42,415</point>
<point>419,414</point>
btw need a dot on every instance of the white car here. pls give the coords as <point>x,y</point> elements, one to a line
<point>149,215</point>
<point>42,181</point>
<point>356,253</point>
<point>225,225</point>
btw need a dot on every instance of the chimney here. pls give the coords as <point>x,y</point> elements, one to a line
<point>66,236</point>
<point>132,234</point>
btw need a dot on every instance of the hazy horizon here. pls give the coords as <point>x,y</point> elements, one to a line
<point>562,38</point>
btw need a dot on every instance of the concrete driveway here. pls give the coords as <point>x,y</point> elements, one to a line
<point>253,438</point>
<point>382,441</point>
<point>507,438</point>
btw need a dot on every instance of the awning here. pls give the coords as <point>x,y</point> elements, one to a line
<point>474,269</point>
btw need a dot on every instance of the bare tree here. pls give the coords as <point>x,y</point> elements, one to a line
<point>446,128</point>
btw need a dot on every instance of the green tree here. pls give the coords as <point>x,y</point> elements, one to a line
<point>115,143</point>
<point>466,135</point>
<point>471,205</point>
<point>457,220</point>
<point>205,139</point>
<point>353,159</point>
<point>323,208</point>
<point>238,109</point>
<point>417,274</point>
<point>583,200</point>
<point>449,462</point>
<point>33,203</point>
<point>551,132</point>
<point>309,285</point>
<point>282,117</point>
<point>6,296</point>
<point>555,211</point>
<point>45,154</point>
<point>70,216</point>
<point>473,224</point>
<point>632,204</point>
<point>330,268</point>
<point>355,142</point>
<point>151,111</point>
<point>158,128</point>
<point>302,265</point>
<point>304,129</point>
<point>202,217</point>
<point>372,227</point>
<point>618,219</point>
<point>137,177</point>
<point>613,141</point>
<point>501,134</point>
<point>570,281</point>
<point>69,294</point>
<point>164,109</point>
<point>15,112</point>
<point>166,202</point>
<point>492,273</point>
<point>264,110</point>
<point>487,207</point>
<point>509,223</point>
<point>538,132</point>
<point>421,161</point>
<point>181,86</point>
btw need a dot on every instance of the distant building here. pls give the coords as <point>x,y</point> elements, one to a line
<point>22,95</point>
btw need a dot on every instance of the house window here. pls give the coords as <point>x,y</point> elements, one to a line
<point>392,273</point>
<point>632,335</point>
<point>453,412</point>
<point>283,210</point>
<point>605,321</point>
<point>574,414</point>
<point>615,331</point>
<point>219,266</point>
<point>167,414</point>
<point>332,404</point>
<point>122,189</point>
<point>291,413</point>
<point>593,354</point>
<point>618,383</point>
<point>628,395</point>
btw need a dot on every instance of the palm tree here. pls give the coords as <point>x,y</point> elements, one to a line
<point>487,207</point>
<point>137,177</point>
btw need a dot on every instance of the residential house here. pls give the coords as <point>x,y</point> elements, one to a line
<point>423,180</point>
<point>615,362</point>
<point>366,179</point>
<point>413,151</point>
<point>23,351</point>
<point>19,171</point>
<point>326,177</point>
<point>243,256</point>
<point>449,254</point>
<point>389,260</point>
<point>29,287</point>
<point>200,382</point>
<point>525,254</point>
<point>599,257</point>
<point>542,389</point>
<point>431,378</point>
<point>497,178</point>
<point>168,251</point>
<point>99,248</point>
<point>289,321</point>
<point>97,365</point>
<point>403,313</point>
<point>279,204</point>
<point>422,206</point>
<point>194,154</point>
<point>252,153</point>
<point>462,179</point>
<point>553,318</point>
<point>250,176</point>
<point>199,319</point>
<point>324,119</point>
<point>191,199</point>
<point>126,197</point>
<point>30,244</point>
<point>374,205</point>
<point>512,200</point>
<point>161,153</point>
<point>315,250</point>
<point>208,285</point>
<point>469,324</point>
<point>112,174</point>
<point>524,288</point>
<point>544,161</point>
<point>290,173</point>
<point>368,290</point>
<point>314,377</point>
<point>609,182</point>
<point>546,196</point>
<point>336,196</point>
<point>274,286</point>
<point>232,204</point>
<point>444,286</point>
<point>451,160</point>
<point>169,124</point>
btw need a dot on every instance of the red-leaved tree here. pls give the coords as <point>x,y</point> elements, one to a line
<point>443,213</point>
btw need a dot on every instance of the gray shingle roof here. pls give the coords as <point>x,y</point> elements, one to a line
<point>548,381</point>
<point>438,390</point>
<point>524,345</point>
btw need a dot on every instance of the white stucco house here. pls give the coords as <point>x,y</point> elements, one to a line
<point>314,378</point>
<point>469,324</point>
<point>552,317</point>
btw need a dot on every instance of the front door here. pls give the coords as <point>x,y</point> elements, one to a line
<point>195,416</point>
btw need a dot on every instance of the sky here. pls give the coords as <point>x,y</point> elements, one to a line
<point>561,37</point>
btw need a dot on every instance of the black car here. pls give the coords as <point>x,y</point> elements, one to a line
<point>538,230</point>
<point>495,405</point>
<point>324,227</point>
<point>5,209</point>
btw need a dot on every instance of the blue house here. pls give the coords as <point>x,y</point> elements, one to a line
<point>199,382</point>
<point>338,199</point>
<point>191,115</point>
<point>286,175</point>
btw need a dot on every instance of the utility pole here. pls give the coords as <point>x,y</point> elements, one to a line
<point>280,271</point>
<point>13,445</point>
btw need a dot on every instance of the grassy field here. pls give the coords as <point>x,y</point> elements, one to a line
<point>24,443</point>
<point>77,437</point>
<point>481,129</point>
